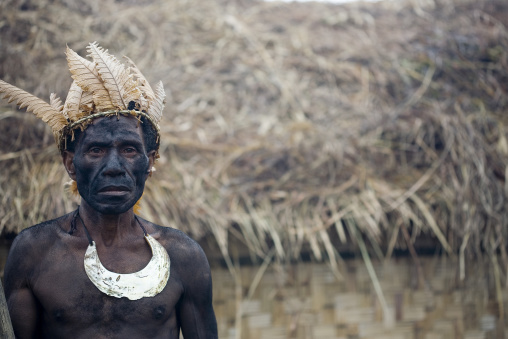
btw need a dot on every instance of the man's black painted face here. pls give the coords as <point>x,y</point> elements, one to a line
<point>111,164</point>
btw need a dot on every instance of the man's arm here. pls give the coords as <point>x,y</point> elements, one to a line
<point>195,310</point>
<point>23,307</point>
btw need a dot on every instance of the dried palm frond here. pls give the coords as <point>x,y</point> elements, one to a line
<point>88,79</point>
<point>121,87</point>
<point>71,108</point>
<point>145,87</point>
<point>157,105</point>
<point>33,104</point>
<point>55,102</point>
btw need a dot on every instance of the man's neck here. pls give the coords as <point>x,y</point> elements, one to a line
<point>108,229</point>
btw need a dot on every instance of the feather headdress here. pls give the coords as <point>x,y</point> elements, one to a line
<point>101,87</point>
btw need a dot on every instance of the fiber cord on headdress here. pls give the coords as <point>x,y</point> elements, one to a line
<point>85,121</point>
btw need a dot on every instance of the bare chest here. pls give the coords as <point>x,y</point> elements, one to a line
<point>70,302</point>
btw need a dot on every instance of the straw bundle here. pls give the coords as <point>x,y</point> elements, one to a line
<point>288,125</point>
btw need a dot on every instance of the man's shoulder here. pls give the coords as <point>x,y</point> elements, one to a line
<point>179,244</point>
<point>39,235</point>
<point>176,239</point>
<point>28,249</point>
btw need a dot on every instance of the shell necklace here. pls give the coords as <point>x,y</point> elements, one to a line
<point>147,282</point>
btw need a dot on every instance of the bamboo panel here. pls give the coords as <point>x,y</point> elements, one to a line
<point>260,320</point>
<point>273,333</point>
<point>306,303</point>
<point>474,335</point>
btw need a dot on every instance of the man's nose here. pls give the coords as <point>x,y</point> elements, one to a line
<point>114,164</point>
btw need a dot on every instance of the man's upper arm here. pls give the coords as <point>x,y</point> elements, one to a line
<point>195,309</point>
<point>23,307</point>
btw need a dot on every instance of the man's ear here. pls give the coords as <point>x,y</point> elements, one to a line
<point>151,162</point>
<point>67,158</point>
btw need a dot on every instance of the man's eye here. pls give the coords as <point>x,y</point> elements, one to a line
<point>95,150</point>
<point>129,150</point>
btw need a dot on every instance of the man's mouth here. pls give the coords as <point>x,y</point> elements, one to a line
<point>114,190</point>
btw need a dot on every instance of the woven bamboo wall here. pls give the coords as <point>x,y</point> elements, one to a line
<point>306,301</point>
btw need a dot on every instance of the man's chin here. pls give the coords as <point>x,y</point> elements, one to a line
<point>109,208</point>
<point>113,211</point>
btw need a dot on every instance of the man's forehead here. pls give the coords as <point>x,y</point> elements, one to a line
<point>112,128</point>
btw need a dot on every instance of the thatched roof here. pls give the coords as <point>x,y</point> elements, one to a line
<point>286,125</point>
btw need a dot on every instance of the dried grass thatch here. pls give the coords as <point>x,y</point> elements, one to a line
<point>287,125</point>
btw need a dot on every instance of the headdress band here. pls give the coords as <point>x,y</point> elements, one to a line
<point>85,121</point>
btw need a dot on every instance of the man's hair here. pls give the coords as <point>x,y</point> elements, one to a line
<point>149,137</point>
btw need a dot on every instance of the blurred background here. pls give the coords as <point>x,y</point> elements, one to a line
<point>342,165</point>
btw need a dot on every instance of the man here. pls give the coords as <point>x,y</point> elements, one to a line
<point>101,271</point>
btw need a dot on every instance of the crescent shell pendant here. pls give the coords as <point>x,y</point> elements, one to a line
<point>147,282</point>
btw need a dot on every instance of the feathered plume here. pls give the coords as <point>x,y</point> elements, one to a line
<point>86,76</point>
<point>145,87</point>
<point>87,105</point>
<point>71,107</point>
<point>55,102</point>
<point>33,104</point>
<point>157,105</point>
<point>121,87</point>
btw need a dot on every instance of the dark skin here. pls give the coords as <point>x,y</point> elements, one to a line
<point>47,290</point>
